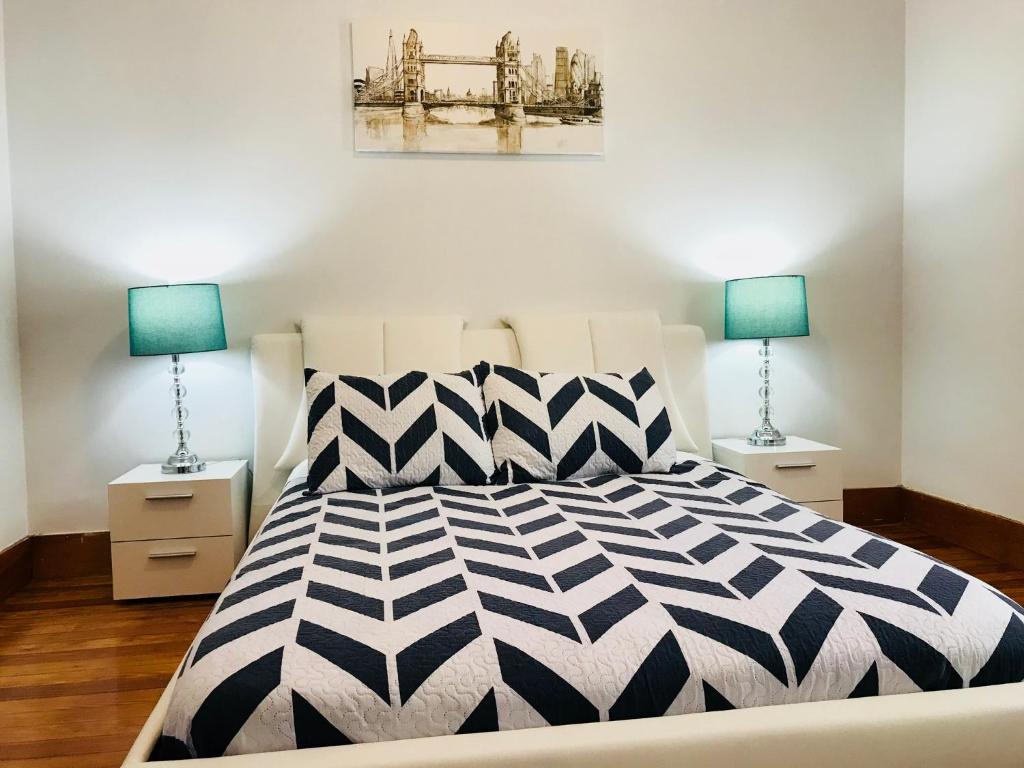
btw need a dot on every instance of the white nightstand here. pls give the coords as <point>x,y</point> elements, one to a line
<point>804,471</point>
<point>176,534</point>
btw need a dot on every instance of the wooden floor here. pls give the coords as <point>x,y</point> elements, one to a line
<point>79,673</point>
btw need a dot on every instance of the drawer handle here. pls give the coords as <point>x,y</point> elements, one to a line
<point>797,465</point>
<point>168,496</point>
<point>172,553</point>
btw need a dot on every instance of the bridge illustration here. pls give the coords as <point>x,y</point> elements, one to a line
<point>402,83</point>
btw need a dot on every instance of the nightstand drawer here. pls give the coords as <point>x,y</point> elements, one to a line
<point>798,476</point>
<point>171,566</point>
<point>187,508</point>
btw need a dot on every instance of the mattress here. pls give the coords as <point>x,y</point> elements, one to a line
<point>413,612</point>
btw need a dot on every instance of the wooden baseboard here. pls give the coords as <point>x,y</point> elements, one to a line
<point>15,567</point>
<point>997,537</point>
<point>60,555</point>
<point>867,506</point>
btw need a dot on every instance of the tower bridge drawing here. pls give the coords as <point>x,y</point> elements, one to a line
<point>424,85</point>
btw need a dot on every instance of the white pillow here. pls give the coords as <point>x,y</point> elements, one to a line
<point>560,426</point>
<point>396,430</point>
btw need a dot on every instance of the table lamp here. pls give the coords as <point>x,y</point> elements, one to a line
<point>766,308</point>
<point>175,320</point>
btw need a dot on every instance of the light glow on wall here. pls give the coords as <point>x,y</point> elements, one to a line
<point>746,254</point>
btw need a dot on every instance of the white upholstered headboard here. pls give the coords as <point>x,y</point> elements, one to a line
<point>277,364</point>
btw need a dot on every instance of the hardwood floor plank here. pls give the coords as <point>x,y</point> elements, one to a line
<point>79,674</point>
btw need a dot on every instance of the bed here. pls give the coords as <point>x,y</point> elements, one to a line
<point>587,607</point>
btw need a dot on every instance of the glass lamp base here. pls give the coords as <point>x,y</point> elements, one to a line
<point>766,437</point>
<point>182,464</point>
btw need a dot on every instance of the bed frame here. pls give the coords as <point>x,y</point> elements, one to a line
<point>980,727</point>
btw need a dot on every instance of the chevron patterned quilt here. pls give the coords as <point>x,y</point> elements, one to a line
<point>373,615</point>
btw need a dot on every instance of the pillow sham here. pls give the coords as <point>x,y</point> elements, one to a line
<point>395,430</point>
<point>559,426</point>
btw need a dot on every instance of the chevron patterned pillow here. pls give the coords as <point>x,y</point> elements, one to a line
<point>557,426</point>
<point>395,430</point>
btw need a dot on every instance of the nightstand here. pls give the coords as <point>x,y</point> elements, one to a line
<point>176,534</point>
<point>802,470</point>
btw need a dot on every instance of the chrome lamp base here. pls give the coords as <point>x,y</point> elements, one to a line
<point>182,461</point>
<point>766,434</point>
<point>182,465</point>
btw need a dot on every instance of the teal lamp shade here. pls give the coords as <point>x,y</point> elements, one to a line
<point>766,307</point>
<point>175,319</point>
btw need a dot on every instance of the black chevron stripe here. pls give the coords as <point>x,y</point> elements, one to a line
<point>540,524</point>
<point>563,400</point>
<point>351,522</point>
<point>521,379</point>
<point>558,543</point>
<point>641,382</point>
<point>929,669</point>
<point>415,437</point>
<point>462,463</point>
<point>319,408</point>
<point>1007,659</point>
<point>513,575</point>
<point>417,564</point>
<point>592,511</point>
<point>875,552</point>
<point>658,432</point>
<point>404,386</point>
<point>622,404</point>
<point>484,718</point>
<point>582,448</point>
<point>477,525</point>
<point>365,664</point>
<point>462,506</point>
<point>348,566</point>
<point>368,388</point>
<point>944,587</point>
<point>271,541</point>
<point>713,700</point>
<point>259,588</point>
<point>375,446</point>
<point>750,641</point>
<point>227,708</point>
<point>324,464</point>
<point>601,617</point>
<point>806,629</point>
<point>668,556</point>
<point>534,436</point>
<point>416,517</point>
<point>620,453</point>
<point>756,576</point>
<point>492,546</point>
<point>415,539</point>
<point>278,557</point>
<point>868,685</point>
<point>677,526</point>
<point>655,684</point>
<point>312,729</point>
<point>421,659</point>
<point>350,542</point>
<point>427,596</point>
<point>343,598</point>
<point>241,627</point>
<point>897,594</point>
<point>547,692</point>
<point>582,572</point>
<point>685,583</point>
<point>530,614</point>
<point>460,407</point>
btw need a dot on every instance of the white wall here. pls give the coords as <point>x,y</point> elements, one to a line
<point>207,139</point>
<point>13,501</point>
<point>963,412</point>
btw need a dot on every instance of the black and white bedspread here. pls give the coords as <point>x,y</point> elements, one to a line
<point>368,616</point>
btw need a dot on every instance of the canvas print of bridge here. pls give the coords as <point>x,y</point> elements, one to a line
<point>431,87</point>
